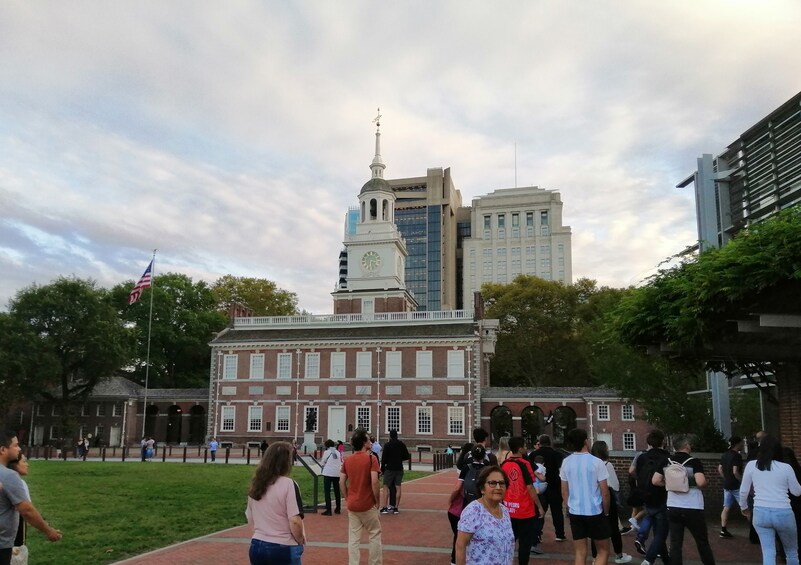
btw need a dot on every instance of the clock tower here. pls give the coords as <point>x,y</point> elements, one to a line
<point>376,252</point>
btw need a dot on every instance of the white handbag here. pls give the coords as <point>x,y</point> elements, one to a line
<point>19,555</point>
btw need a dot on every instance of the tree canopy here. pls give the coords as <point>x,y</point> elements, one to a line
<point>262,295</point>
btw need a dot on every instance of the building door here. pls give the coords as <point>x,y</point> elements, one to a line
<point>114,436</point>
<point>336,423</point>
<point>38,435</point>
<point>605,437</point>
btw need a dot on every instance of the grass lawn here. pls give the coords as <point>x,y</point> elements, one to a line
<point>110,511</point>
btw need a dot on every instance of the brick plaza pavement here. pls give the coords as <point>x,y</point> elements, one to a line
<point>420,534</point>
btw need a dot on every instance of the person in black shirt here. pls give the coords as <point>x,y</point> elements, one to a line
<point>392,457</point>
<point>731,469</point>
<point>552,497</point>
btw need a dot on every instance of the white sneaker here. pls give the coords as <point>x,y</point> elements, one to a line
<point>645,562</point>
<point>634,524</point>
<point>623,558</point>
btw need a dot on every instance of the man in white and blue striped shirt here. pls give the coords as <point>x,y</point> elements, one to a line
<point>585,489</point>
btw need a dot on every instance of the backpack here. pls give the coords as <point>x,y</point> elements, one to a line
<point>676,477</point>
<point>470,486</point>
<point>648,464</point>
<point>463,455</point>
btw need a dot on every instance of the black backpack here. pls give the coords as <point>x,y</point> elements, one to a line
<point>647,464</point>
<point>470,486</point>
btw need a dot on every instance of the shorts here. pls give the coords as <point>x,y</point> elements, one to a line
<point>393,477</point>
<point>593,527</point>
<point>730,498</point>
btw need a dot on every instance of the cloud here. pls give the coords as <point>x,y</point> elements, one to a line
<point>233,138</point>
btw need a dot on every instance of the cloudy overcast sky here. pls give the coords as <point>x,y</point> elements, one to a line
<point>233,136</point>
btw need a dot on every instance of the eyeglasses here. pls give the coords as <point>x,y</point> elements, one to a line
<point>497,484</point>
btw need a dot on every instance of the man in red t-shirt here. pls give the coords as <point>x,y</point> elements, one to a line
<point>360,487</point>
<point>521,497</point>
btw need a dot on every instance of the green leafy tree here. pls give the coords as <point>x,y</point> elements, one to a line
<point>75,339</point>
<point>185,318</point>
<point>262,295</point>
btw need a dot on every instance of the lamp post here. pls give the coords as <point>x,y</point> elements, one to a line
<point>297,395</point>
<point>378,396</point>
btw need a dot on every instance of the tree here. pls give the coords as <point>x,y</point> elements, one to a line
<point>262,295</point>
<point>185,318</point>
<point>76,339</point>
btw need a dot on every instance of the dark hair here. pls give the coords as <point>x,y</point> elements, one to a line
<point>515,443</point>
<point>6,438</point>
<point>486,472</point>
<point>544,440</point>
<point>681,441</point>
<point>734,440</point>
<point>601,450</point>
<point>393,434</point>
<point>576,438</point>
<point>478,452</point>
<point>277,462</point>
<point>329,443</point>
<point>358,440</point>
<point>770,449</point>
<point>655,438</point>
<point>479,435</point>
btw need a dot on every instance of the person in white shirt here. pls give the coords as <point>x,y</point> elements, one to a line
<point>772,480</point>
<point>332,464</point>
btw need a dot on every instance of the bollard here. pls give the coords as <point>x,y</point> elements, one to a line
<point>124,449</point>
<point>205,454</point>
<point>103,454</point>
<point>248,460</point>
<point>163,455</point>
<point>227,454</point>
<point>184,454</point>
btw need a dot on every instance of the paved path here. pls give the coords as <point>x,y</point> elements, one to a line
<point>420,534</point>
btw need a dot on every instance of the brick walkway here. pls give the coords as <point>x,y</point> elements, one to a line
<point>419,534</point>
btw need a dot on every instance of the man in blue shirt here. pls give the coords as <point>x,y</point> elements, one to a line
<point>586,492</point>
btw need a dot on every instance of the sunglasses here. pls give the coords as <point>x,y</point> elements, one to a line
<point>497,484</point>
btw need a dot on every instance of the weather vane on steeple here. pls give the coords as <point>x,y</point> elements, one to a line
<point>377,166</point>
<point>377,119</point>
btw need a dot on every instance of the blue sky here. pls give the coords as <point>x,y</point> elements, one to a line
<point>233,136</point>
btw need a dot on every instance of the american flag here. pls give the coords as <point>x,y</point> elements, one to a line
<point>144,282</point>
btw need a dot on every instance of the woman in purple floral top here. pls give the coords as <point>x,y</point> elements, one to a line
<point>485,530</point>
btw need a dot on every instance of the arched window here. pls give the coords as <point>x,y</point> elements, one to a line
<point>197,424</point>
<point>531,424</point>
<point>362,216</point>
<point>174,424</point>
<point>151,415</point>
<point>384,210</point>
<point>373,209</point>
<point>500,422</point>
<point>564,420</point>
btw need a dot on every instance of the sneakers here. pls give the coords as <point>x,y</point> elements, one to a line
<point>623,558</point>
<point>536,550</point>
<point>626,530</point>
<point>560,538</point>
<point>396,510</point>
<point>638,545</point>
<point>634,523</point>
<point>724,533</point>
<point>326,513</point>
<point>645,562</point>
<point>386,510</point>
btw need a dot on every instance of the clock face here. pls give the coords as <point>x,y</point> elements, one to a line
<point>371,261</point>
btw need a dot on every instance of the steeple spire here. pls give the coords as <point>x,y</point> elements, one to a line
<point>377,166</point>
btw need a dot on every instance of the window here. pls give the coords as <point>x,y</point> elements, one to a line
<point>282,418</point>
<point>257,366</point>
<point>627,413</point>
<point>100,432</point>
<point>254,418</point>
<point>40,411</point>
<point>487,222</point>
<point>364,364</point>
<point>338,365</point>
<point>284,365</point>
<point>228,413</point>
<point>394,359</point>
<point>363,417</point>
<point>101,408</point>
<point>629,441</point>
<point>229,366</point>
<point>312,365</point>
<point>56,410</point>
<point>312,410</point>
<point>424,364</point>
<point>502,265</point>
<point>393,418</point>
<point>116,409</point>
<point>456,364</point>
<point>501,221</point>
<point>424,420</point>
<point>530,219</point>
<point>603,412</point>
<point>515,219</point>
<point>501,252</point>
<point>54,432</point>
<point>456,420</point>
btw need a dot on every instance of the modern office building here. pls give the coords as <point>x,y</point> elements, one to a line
<point>515,231</point>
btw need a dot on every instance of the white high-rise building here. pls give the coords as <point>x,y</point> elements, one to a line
<point>515,231</point>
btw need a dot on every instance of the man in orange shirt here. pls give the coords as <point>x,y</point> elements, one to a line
<point>360,487</point>
<point>521,498</point>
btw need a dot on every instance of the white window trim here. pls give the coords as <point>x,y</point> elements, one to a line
<point>101,407</point>
<point>255,372</point>
<point>335,356</point>
<point>369,410</point>
<point>278,411</point>
<point>306,414</point>
<point>397,368</point>
<point>312,370</point>
<point>386,418</point>
<point>363,366</point>
<point>230,362</point>
<point>251,410</point>
<point>460,410</point>
<point>424,358</point>
<point>430,411</point>
<point>634,441</point>
<point>279,358</point>
<point>456,363</point>
<point>223,411</point>
<point>608,413</point>
<point>623,416</point>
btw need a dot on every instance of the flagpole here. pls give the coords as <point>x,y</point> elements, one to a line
<point>149,326</point>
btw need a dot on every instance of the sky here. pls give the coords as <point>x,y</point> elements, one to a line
<point>233,136</point>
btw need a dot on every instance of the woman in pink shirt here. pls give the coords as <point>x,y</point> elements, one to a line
<point>275,510</point>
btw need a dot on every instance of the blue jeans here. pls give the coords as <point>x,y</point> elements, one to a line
<point>658,522</point>
<point>267,553</point>
<point>771,521</point>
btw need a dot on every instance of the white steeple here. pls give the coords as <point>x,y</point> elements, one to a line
<point>377,166</point>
